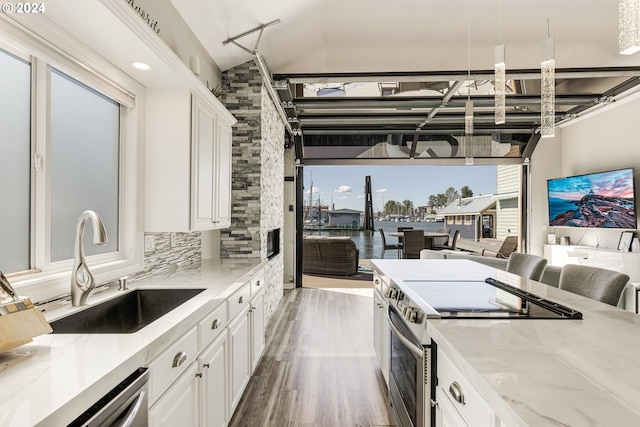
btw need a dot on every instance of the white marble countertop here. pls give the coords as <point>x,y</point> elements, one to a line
<point>53,379</point>
<point>536,372</point>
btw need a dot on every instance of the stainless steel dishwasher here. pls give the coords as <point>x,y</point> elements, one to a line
<point>124,406</point>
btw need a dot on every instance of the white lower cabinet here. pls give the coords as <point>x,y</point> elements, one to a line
<point>459,403</point>
<point>179,405</point>
<point>240,351</point>
<point>446,413</point>
<point>256,313</point>
<point>246,344</point>
<point>199,379</point>
<point>214,395</point>
<point>381,333</point>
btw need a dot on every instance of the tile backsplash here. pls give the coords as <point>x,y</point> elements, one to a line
<point>170,255</point>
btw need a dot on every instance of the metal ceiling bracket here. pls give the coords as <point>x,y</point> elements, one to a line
<point>271,85</point>
<point>246,33</point>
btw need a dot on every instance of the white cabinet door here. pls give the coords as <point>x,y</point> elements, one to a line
<point>381,334</point>
<point>214,382</point>
<point>211,168</point>
<point>222,211</point>
<point>257,329</point>
<point>446,413</point>
<point>179,405</point>
<point>377,322</point>
<point>203,163</point>
<point>240,352</point>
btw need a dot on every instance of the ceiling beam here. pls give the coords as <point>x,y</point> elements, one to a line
<point>439,76</point>
<point>405,103</point>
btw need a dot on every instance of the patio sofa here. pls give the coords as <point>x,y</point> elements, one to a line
<point>329,255</point>
<point>551,275</point>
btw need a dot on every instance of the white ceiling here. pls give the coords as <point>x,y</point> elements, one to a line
<point>325,36</point>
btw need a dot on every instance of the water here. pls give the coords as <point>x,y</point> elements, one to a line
<point>370,244</point>
<point>560,206</point>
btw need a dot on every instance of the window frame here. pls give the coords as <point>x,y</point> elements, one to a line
<point>50,280</point>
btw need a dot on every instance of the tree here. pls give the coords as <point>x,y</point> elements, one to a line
<point>407,207</point>
<point>466,192</point>
<point>432,203</point>
<point>452,194</point>
<point>442,199</point>
<point>391,207</point>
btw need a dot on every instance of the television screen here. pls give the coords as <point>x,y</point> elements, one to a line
<point>597,200</point>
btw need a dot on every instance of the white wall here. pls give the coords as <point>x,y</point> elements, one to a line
<point>605,140</point>
<point>179,37</point>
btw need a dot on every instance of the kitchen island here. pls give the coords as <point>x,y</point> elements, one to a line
<point>537,372</point>
<point>52,380</point>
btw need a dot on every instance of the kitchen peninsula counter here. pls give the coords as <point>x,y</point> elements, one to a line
<point>534,372</point>
<point>56,377</point>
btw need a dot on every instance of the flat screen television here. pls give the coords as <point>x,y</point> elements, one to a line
<point>595,200</point>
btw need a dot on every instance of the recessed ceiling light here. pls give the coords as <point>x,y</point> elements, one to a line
<point>141,66</point>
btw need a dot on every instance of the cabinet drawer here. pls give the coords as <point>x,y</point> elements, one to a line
<point>167,367</point>
<point>257,283</point>
<point>212,325</point>
<point>239,299</point>
<point>451,383</point>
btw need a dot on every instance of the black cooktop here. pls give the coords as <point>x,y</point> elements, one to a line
<point>490,298</point>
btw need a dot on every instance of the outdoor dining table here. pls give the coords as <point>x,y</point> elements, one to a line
<point>428,237</point>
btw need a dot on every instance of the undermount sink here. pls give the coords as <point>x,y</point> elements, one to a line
<point>125,314</point>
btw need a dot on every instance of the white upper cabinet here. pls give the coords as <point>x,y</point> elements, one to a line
<point>211,168</point>
<point>188,162</point>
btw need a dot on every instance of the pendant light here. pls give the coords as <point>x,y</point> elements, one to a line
<point>500,77</point>
<point>548,85</point>
<point>629,26</point>
<point>468,107</point>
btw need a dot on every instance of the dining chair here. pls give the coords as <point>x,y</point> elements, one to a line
<point>388,246</point>
<point>596,283</point>
<point>413,243</point>
<point>452,245</point>
<point>400,230</point>
<point>528,266</point>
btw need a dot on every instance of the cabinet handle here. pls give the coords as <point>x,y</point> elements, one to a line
<point>179,359</point>
<point>241,299</point>
<point>205,365</point>
<point>199,374</point>
<point>215,324</point>
<point>456,392</point>
<point>434,404</point>
<point>258,283</point>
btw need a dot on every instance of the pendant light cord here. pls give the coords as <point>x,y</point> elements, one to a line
<point>469,49</point>
<point>499,21</point>
<point>548,19</point>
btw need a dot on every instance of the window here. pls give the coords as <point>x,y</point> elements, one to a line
<point>67,144</point>
<point>15,154</point>
<point>458,219</point>
<point>467,219</point>
<point>84,164</point>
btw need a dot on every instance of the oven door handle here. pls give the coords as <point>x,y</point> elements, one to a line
<point>132,413</point>
<point>411,346</point>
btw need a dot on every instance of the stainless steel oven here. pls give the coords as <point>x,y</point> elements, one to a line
<point>410,374</point>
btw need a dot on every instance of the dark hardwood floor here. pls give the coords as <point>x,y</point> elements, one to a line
<point>319,367</point>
